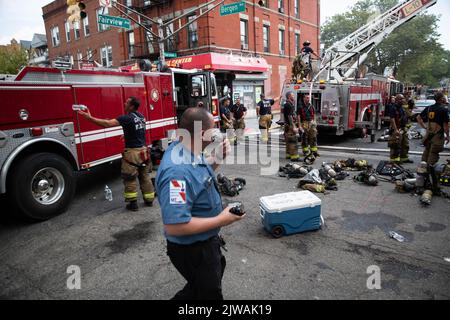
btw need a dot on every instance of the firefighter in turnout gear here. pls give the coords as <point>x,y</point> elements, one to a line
<point>398,139</point>
<point>435,120</point>
<point>136,163</point>
<point>264,113</point>
<point>308,128</point>
<point>290,131</point>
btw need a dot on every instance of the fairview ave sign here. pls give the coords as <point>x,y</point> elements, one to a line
<point>114,21</point>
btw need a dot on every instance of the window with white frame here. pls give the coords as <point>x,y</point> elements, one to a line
<point>76,29</point>
<point>106,55</point>
<point>298,48</point>
<point>192,32</point>
<point>55,36</point>
<point>102,27</point>
<point>244,34</point>
<point>281,41</point>
<point>266,38</point>
<point>87,31</point>
<point>297,8</point>
<point>131,45</point>
<point>67,27</point>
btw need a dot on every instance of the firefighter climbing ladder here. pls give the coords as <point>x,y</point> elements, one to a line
<point>339,62</point>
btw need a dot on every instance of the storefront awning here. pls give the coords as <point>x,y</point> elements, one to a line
<point>218,61</point>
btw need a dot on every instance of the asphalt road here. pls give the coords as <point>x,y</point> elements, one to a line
<point>122,255</point>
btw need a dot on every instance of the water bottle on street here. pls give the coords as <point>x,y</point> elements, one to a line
<point>108,193</point>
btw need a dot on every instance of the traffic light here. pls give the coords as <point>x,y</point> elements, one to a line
<point>76,10</point>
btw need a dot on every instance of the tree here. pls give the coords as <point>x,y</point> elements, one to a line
<point>412,50</point>
<point>12,59</point>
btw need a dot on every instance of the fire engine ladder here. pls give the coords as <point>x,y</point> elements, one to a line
<point>338,63</point>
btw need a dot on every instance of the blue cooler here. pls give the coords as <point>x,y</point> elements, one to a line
<point>292,212</point>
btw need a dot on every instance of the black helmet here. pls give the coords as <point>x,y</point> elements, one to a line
<point>306,43</point>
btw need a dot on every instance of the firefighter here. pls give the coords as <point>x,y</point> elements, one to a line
<point>225,115</point>
<point>290,130</point>
<point>308,128</point>
<point>398,139</point>
<point>264,113</point>
<point>435,120</point>
<point>136,161</point>
<point>239,112</point>
<point>192,210</point>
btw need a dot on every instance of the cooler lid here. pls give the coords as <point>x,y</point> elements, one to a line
<point>290,201</point>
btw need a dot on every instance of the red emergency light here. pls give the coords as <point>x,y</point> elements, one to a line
<point>36,132</point>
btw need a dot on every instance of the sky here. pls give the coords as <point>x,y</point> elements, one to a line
<point>21,23</point>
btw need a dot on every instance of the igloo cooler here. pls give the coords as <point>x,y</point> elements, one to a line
<point>289,213</point>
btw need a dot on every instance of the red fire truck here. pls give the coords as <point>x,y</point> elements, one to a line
<point>43,140</point>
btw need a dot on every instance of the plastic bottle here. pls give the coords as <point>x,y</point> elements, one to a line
<point>108,194</point>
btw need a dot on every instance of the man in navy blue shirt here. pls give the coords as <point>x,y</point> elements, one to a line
<point>191,208</point>
<point>135,158</point>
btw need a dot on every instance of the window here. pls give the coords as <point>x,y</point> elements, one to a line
<point>244,34</point>
<point>80,59</point>
<point>67,26</point>
<point>55,36</point>
<point>89,55</point>
<point>71,60</point>
<point>280,6</point>
<point>192,32</point>
<point>266,38</point>
<point>131,45</point>
<point>102,27</point>
<point>170,43</point>
<point>297,8</point>
<point>106,55</point>
<point>281,41</point>
<point>87,31</point>
<point>76,29</point>
<point>149,38</point>
<point>297,44</point>
<point>198,85</point>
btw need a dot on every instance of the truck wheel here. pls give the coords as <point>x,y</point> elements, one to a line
<point>277,231</point>
<point>41,186</point>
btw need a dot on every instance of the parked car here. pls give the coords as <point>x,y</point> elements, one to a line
<point>420,105</point>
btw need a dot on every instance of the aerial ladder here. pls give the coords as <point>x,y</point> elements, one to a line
<point>342,60</point>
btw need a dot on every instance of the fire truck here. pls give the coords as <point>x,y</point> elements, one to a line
<point>343,98</point>
<point>43,140</point>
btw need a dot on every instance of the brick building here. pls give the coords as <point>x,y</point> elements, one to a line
<point>250,52</point>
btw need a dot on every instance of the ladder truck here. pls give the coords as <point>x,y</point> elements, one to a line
<point>342,101</point>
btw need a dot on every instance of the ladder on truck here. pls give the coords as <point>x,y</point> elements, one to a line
<point>338,63</point>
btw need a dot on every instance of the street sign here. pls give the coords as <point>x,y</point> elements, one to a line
<point>232,8</point>
<point>105,3</point>
<point>170,54</point>
<point>114,21</point>
<point>64,65</point>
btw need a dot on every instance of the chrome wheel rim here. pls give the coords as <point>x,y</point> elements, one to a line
<point>47,186</point>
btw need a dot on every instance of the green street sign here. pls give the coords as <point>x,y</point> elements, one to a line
<point>114,21</point>
<point>170,55</point>
<point>231,8</point>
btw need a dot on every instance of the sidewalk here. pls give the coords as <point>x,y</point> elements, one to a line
<point>252,126</point>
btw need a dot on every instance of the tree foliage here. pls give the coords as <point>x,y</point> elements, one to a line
<point>12,59</point>
<point>412,50</point>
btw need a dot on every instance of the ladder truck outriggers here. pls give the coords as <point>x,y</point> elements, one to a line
<point>343,101</point>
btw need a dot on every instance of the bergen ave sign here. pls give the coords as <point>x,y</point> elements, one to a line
<point>232,8</point>
<point>114,21</point>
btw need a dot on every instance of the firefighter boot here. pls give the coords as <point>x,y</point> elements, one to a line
<point>132,206</point>
<point>434,181</point>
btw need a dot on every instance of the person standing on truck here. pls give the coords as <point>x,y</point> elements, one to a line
<point>192,210</point>
<point>136,162</point>
<point>398,139</point>
<point>308,127</point>
<point>264,113</point>
<point>290,131</point>
<point>436,118</point>
<point>239,112</point>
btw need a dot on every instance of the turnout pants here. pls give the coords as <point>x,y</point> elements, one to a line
<point>239,126</point>
<point>136,164</point>
<point>434,143</point>
<point>202,265</point>
<point>265,122</point>
<point>399,145</point>
<point>309,138</point>
<point>291,142</point>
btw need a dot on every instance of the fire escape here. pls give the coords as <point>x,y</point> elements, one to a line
<point>147,46</point>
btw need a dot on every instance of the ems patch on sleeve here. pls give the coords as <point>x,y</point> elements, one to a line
<point>177,192</point>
